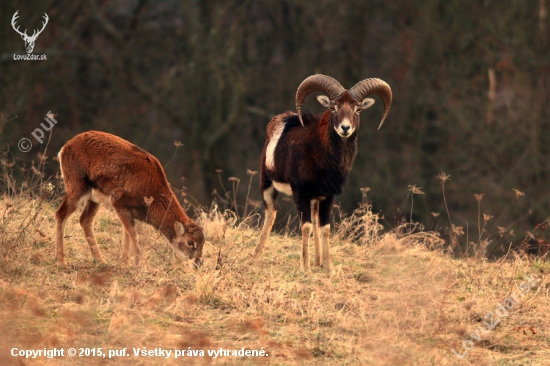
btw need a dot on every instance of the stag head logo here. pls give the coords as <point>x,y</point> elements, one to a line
<point>29,40</point>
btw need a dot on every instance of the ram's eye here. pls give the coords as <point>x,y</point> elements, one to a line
<point>190,243</point>
<point>332,109</point>
<point>358,110</point>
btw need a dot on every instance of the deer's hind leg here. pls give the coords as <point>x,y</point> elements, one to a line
<point>87,223</point>
<point>65,210</point>
<point>125,248</point>
<point>69,205</point>
<point>128,224</point>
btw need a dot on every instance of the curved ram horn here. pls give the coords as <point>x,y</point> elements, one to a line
<point>317,82</point>
<point>373,86</point>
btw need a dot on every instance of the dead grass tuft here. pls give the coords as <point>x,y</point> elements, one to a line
<point>393,298</point>
<point>196,339</point>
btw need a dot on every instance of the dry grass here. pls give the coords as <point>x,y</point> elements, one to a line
<point>390,300</point>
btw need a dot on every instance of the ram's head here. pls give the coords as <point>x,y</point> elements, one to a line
<point>344,105</point>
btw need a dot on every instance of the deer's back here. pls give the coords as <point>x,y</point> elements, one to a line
<point>107,162</point>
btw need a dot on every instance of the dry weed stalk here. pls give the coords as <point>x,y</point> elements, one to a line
<point>390,289</point>
<point>361,227</point>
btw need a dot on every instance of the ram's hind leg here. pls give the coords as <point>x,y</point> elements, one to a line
<point>325,208</point>
<point>87,223</point>
<point>269,195</point>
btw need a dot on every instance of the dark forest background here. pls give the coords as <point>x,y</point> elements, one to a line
<point>470,80</point>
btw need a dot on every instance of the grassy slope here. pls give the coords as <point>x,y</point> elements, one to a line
<point>388,302</point>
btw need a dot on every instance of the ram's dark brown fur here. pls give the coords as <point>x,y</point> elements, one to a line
<point>310,157</point>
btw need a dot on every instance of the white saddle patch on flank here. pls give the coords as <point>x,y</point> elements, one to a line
<point>283,188</point>
<point>270,151</point>
<point>60,162</point>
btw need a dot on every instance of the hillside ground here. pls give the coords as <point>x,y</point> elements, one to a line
<point>393,298</point>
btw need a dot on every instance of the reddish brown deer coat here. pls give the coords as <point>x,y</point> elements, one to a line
<point>100,167</point>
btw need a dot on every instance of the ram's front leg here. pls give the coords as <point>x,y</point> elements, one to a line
<point>304,209</point>
<point>304,257</point>
<point>325,208</point>
<point>315,223</point>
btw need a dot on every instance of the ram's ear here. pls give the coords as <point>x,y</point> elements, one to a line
<point>324,100</point>
<point>180,229</point>
<point>367,103</point>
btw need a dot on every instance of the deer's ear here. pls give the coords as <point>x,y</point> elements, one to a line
<point>180,229</point>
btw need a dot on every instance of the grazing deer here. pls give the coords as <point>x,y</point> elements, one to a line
<point>100,167</point>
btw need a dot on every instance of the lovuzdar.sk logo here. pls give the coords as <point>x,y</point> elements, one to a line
<point>29,40</point>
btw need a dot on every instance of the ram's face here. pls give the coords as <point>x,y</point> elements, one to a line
<point>345,112</point>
